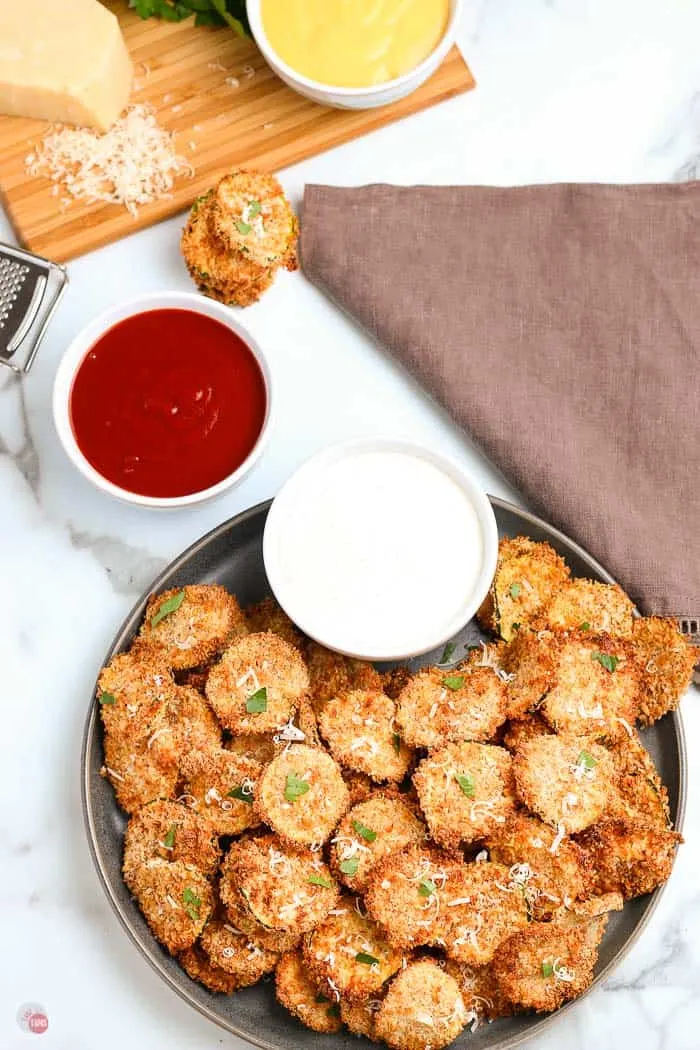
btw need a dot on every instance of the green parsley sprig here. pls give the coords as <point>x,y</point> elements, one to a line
<point>231,13</point>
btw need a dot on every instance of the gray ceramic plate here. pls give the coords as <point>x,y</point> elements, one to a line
<point>232,555</point>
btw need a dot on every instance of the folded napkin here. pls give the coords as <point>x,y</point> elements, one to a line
<point>560,325</point>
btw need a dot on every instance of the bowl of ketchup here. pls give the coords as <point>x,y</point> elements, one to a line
<point>163,401</point>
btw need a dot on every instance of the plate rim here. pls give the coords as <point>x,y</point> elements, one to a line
<point>145,949</point>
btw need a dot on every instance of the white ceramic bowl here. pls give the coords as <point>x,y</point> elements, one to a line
<point>354,98</point>
<point>88,336</point>
<point>291,509</point>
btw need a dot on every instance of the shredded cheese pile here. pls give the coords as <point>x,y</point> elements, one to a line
<point>134,163</point>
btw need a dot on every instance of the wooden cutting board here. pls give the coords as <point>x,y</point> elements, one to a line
<point>226,108</point>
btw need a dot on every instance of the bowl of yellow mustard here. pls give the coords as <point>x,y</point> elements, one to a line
<point>354,54</point>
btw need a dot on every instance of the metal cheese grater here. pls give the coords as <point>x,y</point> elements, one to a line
<point>30,290</point>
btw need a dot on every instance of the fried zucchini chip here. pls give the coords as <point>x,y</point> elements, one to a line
<point>567,781</point>
<point>666,661</point>
<point>132,692</point>
<point>404,892</point>
<point>220,786</point>
<point>188,626</point>
<point>359,1017</point>
<point>360,729</point>
<point>527,575</point>
<point>423,1007</point>
<point>628,858</point>
<point>641,795</point>
<point>196,727</point>
<point>136,773</point>
<point>438,706</point>
<point>524,845</point>
<point>260,747</point>
<point>586,605</point>
<point>257,684</point>
<point>480,906</point>
<point>254,218</point>
<point>197,966</point>
<point>332,674</point>
<point>465,790</point>
<point>268,615</point>
<point>480,992</point>
<point>176,900</point>
<point>373,829</point>
<point>233,953</point>
<point>241,921</point>
<point>530,662</point>
<point>302,795</point>
<point>282,888</point>
<point>172,832</point>
<point>300,996</point>
<point>348,954</point>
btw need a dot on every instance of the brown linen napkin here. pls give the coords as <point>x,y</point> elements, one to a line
<point>560,325</point>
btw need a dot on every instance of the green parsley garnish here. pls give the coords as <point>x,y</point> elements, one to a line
<point>427,887</point>
<point>169,840</point>
<point>396,741</point>
<point>448,652</point>
<point>254,208</point>
<point>243,227</point>
<point>466,782</point>
<point>240,794</point>
<point>192,902</point>
<point>257,702</point>
<point>587,760</point>
<point>107,698</point>
<point>606,660</point>
<point>453,681</point>
<point>585,626</point>
<point>515,626</point>
<point>514,590</point>
<point>349,867</point>
<point>366,833</point>
<point>295,787</point>
<point>318,880</point>
<point>368,960</point>
<point>321,998</point>
<point>171,606</point>
<point>547,969</point>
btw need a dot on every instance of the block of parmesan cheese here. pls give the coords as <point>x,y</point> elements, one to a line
<point>62,61</point>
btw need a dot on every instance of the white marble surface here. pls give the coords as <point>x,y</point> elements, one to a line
<point>604,90</point>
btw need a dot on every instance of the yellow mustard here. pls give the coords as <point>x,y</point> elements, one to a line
<point>354,43</point>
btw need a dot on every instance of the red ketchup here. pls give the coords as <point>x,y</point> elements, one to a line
<point>168,403</point>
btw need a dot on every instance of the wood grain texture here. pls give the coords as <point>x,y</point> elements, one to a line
<point>182,72</point>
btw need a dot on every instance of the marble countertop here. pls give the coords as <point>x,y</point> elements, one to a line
<point>598,90</point>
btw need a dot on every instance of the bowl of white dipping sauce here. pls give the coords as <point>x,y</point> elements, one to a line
<point>380,549</point>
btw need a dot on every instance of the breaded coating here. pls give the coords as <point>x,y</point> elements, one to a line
<point>404,892</point>
<point>302,795</point>
<point>567,781</point>
<point>176,900</point>
<point>641,795</point>
<point>373,829</point>
<point>257,684</point>
<point>359,1017</point>
<point>527,575</point>
<point>438,706</point>
<point>547,964</point>
<point>530,661</point>
<point>268,615</point>
<point>132,691</point>
<point>578,604</point>
<point>282,888</point>
<point>360,729</point>
<point>194,677</point>
<point>465,790</point>
<point>519,730</point>
<point>135,773</point>
<point>332,674</point>
<point>394,681</point>
<point>300,996</point>
<point>172,832</point>
<point>188,626</point>
<point>197,966</point>
<point>579,913</point>
<point>348,955</point>
<point>360,786</point>
<point>480,906</point>
<point>595,689</point>
<point>628,858</point>
<point>524,845</point>
<point>260,747</point>
<point>233,953</point>
<point>480,993</point>
<point>196,725</point>
<point>220,786</point>
<point>241,921</point>
<point>422,1008</point>
<point>253,216</point>
<point>666,662</point>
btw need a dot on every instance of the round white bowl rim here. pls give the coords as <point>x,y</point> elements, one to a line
<point>88,335</point>
<point>463,477</point>
<point>446,41</point>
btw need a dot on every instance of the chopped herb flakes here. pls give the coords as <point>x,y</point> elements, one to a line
<point>240,794</point>
<point>169,840</point>
<point>586,759</point>
<point>606,660</point>
<point>349,867</point>
<point>547,969</point>
<point>396,741</point>
<point>257,702</point>
<point>466,783</point>
<point>254,208</point>
<point>243,228</point>
<point>318,880</point>
<point>366,833</point>
<point>168,607</point>
<point>514,590</point>
<point>295,787</point>
<point>191,902</point>
<point>107,698</point>
<point>448,652</point>
<point>453,681</point>
<point>427,887</point>
<point>585,626</point>
<point>368,960</point>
